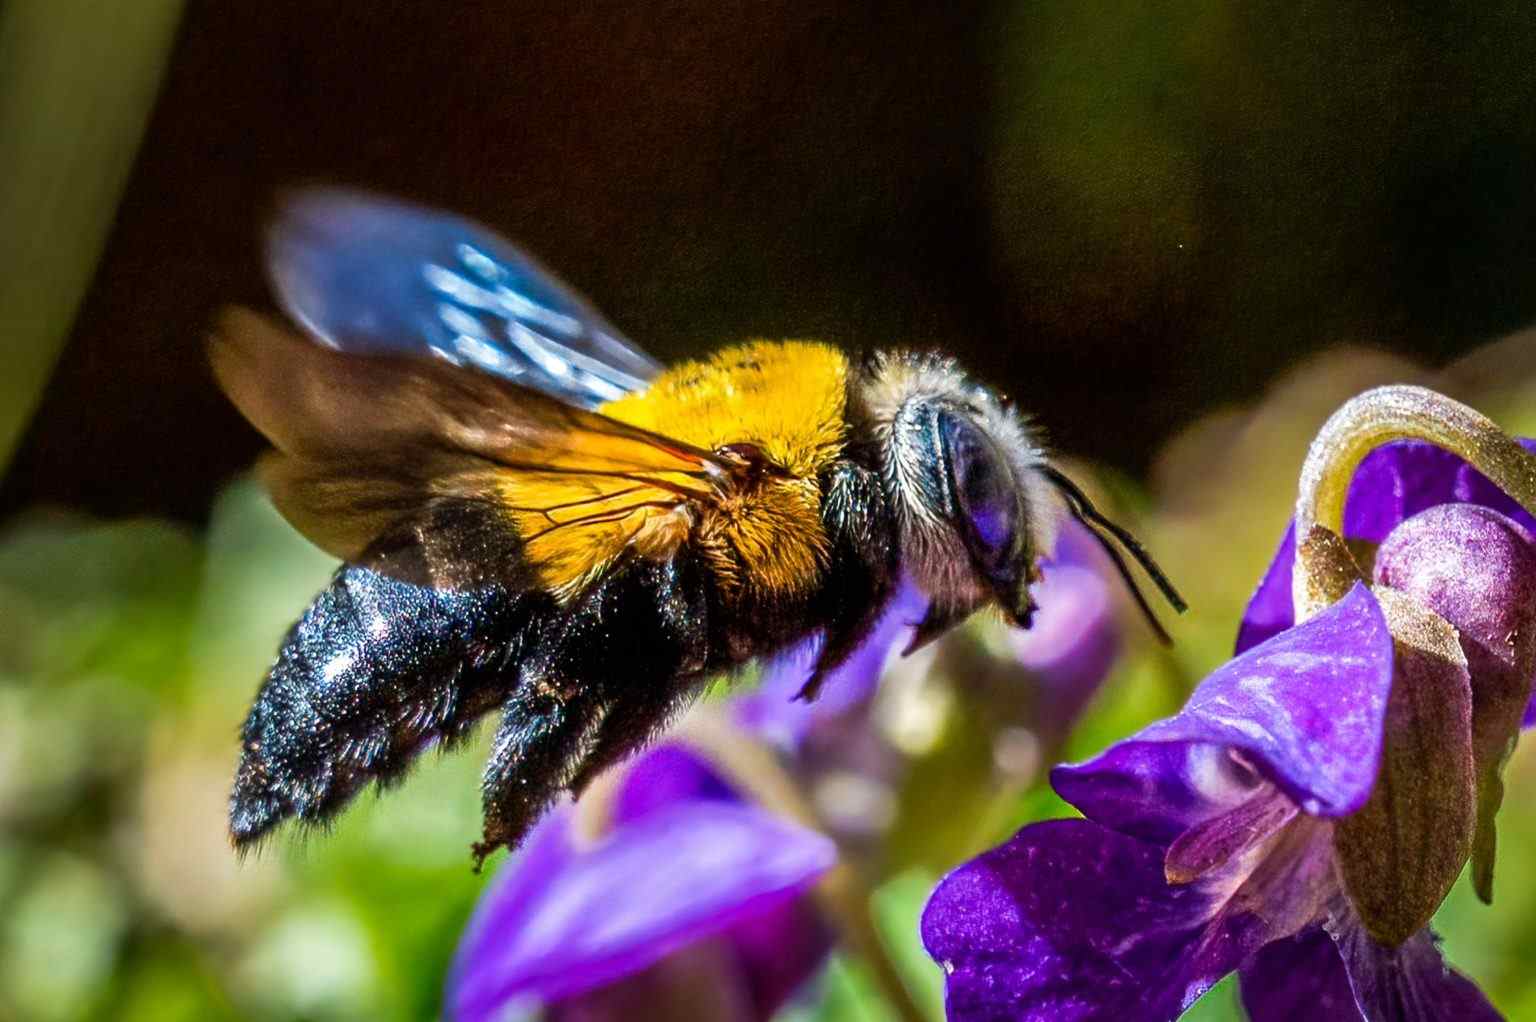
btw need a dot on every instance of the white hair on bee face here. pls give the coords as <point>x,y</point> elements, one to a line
<point>933,549</point>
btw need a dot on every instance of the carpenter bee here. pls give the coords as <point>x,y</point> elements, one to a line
<point>535,516</point>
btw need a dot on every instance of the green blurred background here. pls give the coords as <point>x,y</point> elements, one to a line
<point>1181,233</point>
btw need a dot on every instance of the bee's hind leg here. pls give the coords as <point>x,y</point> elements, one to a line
<point>546,730</point>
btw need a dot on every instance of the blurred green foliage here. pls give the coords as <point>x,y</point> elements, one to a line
<point>67,141</point>
<point>135,651</point>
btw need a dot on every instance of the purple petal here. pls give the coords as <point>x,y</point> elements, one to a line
<point>518,885</point>
<point>1298,977</point>
<point>560,925</point>
<point>1071,645</point>
<point>1305,708</point>
<point>699,981</point>
<point>1473,487</point>
<point>1072,921</point>
<point>1393,483</point>
<point>743,975</point>
<point>664,775</point>
<point>1270,610</point>
<point>771,710</point>
<point>1410,983</point>
<point>1157,790</point>
<point>757,962</point>
<point>777,951</point>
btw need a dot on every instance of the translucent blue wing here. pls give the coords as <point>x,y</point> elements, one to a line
<point>376,277</point>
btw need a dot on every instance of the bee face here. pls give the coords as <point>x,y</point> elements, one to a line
<point>964,476</point>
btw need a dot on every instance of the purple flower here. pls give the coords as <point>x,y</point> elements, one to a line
<point>1303,816</point>
<point>1209,846</point>
<point>686,865</point>
<point>1430,516</point>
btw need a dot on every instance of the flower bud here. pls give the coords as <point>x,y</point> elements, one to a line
<point>1476,569</point>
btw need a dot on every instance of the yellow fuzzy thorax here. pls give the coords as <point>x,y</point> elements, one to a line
<point>787,398</point>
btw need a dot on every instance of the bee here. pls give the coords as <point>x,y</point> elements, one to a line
<point>534,516</point>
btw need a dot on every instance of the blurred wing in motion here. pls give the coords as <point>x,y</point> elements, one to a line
<point>443,477</point>
<point>371,276</point>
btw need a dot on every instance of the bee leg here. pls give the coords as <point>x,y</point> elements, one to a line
<point>679,640</point>
<point>606,677</point>
<point>860,580</point>
<point>632,723</point>
<point>545,732</point>
<point>843,640</point>
<point>677,637</point>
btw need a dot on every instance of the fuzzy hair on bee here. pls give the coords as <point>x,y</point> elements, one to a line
<point>534,517</point>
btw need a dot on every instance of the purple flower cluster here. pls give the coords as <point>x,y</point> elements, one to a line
<point>1303,816</point>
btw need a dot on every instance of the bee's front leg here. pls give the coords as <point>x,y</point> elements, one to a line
<point>863,571</point>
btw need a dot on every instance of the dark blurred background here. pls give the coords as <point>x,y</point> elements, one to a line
<point>1123,214</point>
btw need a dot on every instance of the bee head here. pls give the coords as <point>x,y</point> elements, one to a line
<point>964,476</point>
<point>975,499</point>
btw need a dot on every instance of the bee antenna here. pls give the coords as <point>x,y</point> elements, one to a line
<point>1107,533</point>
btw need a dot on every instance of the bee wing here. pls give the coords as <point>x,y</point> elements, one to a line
<point>373,276</point>
<point>440,476</point>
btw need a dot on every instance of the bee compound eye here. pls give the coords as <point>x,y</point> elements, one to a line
<point>985,491</point>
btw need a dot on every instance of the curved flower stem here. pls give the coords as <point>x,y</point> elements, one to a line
<point>842,891</point>
<point>1362,424</point>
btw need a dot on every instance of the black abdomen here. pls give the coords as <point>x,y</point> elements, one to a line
<point>377,669</point>
<point>374,670</point>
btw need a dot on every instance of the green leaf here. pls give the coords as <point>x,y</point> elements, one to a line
<point>77,82</point>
